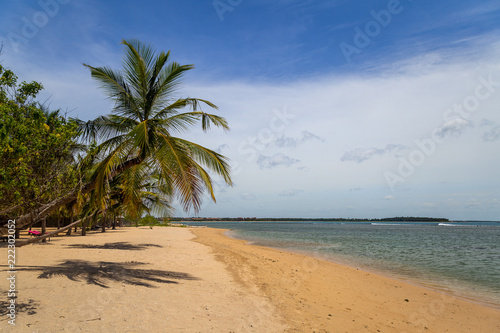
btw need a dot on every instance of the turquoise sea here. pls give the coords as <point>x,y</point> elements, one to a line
<point>461,258</point>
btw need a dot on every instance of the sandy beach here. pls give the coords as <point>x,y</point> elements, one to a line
<point>320,296</point>
<point>143,280</point>
<point>199,280</point>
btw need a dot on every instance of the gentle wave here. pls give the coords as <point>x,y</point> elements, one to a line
<point>389,224</point>
<point>456,225</point>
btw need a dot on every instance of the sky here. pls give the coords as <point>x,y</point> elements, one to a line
<point>354,109</point>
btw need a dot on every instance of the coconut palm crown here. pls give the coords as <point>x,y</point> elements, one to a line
<point>144,123</point>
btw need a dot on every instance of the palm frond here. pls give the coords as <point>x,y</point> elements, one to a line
<point>118,89</point>
<point>179,168</point>
<point>169,79</point>
<point>209,158</point>
<point>136,63</point>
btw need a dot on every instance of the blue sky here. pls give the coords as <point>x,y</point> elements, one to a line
<point>337,108</point>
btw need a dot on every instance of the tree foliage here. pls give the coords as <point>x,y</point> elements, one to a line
<point>136,162</point>
<point>35,148</point>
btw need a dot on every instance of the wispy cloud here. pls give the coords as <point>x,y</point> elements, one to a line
<point>269,162</point>
<point>290,193</point>
<point>360,155</point>
<point>248,196</point>
<point>473,203</point>
<point>454,127</point>
<point>222,148</point>
<point>290,142</point>
<point>486,122</point>
<point>492,135</point>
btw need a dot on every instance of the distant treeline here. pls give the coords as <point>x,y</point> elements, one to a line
<point>285,219</point>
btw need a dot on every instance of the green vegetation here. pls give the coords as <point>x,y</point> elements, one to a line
<point>133,161</point>
<point>147,220</point>
<point>37,148</point>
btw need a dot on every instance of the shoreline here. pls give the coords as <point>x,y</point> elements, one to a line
<point>448,290</point>
<point>314,294</point>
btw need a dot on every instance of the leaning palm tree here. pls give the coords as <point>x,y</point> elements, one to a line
<point>143,127</point>
<point>138,190</point>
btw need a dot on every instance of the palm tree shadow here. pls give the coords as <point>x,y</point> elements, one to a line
<point>101,273</point>
<point>28,307</point>
<point>114,246</point>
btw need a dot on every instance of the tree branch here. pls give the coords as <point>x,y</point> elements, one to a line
<point>50,234</point>
<point>50,207</point>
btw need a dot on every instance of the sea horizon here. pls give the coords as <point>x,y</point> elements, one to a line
<point>411,219</point>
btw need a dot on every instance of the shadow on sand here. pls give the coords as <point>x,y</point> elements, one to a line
<point>114,246</point>
<point>101,273</point>
<point>21,307</point>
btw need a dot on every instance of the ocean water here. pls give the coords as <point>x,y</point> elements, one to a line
<point>462,259</point>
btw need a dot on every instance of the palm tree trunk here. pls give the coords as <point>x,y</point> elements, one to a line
<point>71,223</point>
<point>84,228</point>
<point>104,221</point>
<point>44,228</point>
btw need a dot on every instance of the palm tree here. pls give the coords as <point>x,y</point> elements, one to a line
<point>139,191</point>
<point>142,129</point>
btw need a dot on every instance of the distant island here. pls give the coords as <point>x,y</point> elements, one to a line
<point>286,219</point>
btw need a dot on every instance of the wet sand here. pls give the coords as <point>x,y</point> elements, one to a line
<point>320,296</point>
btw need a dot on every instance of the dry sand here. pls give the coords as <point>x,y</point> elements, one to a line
<point>160,280</point>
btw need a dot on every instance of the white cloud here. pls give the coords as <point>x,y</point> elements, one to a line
<point>222,148</point>
<point>487,122</point>
<point>473,203</point>
<point>269,162</point>
<point>290,193</point>
<point>286,142</point>
<point>492,135</point>
<point>453,127</point>
<point>360,155</point>
<point>291,142</point>
<point>389,197</point>
<point>248,196</point>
